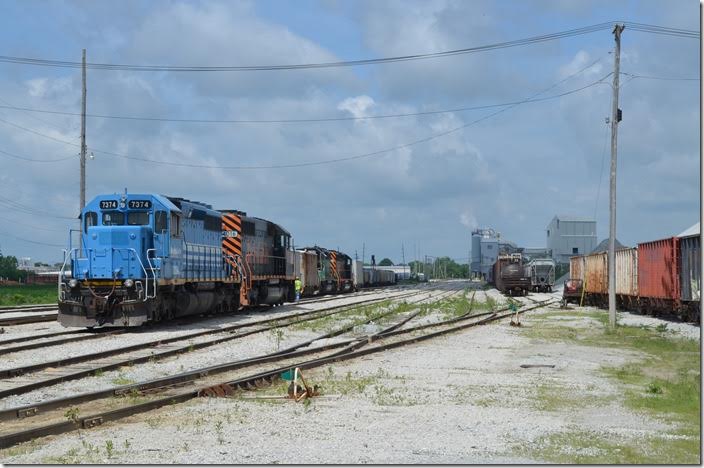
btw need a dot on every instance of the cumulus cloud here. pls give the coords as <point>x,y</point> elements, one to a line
<point>524,164</point>
<point>357,106</point>
<point>581,60</point>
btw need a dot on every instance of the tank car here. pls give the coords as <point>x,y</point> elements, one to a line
<point>144,258</point>
<point>510,275</point>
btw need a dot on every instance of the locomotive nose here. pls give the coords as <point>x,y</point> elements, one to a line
<point>117,251</point>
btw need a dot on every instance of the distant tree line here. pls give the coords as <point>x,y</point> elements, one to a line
<point>9,270</point>
<point>441,267</point>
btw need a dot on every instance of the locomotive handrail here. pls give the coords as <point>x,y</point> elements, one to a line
<point>146,276</point>
<point>151,267</point>
<point>67,256</point>
<point>237,260</point>
<point>262,263</point>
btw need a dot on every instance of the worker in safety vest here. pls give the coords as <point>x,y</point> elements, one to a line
<point>298,287</point>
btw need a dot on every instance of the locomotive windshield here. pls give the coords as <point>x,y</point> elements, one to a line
<point>113,218</point>
<point>138,218</point>
<point>89,219</point>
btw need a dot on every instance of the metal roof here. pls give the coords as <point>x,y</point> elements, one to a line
<point>694,230</point>
<point>603,246</point>
<point>574,218</point>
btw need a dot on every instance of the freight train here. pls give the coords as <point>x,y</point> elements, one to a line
<point>510,276</point>
<point>148,257</point>
<point>657,277</point>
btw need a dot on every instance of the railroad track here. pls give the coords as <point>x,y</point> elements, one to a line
<point>61,370</point>
<point>28,308</point>
<point>25,319</point>
<point>218,380</point>
<point>13,413</point>
<point>89,334</point>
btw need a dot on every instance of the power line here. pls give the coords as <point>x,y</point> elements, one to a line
<point>665,78</point>
<point>663,30</point>
<point>15,206</point>
<point>279,121</point>
<point>14,221</point>
<point>350,63</point>
<point>601,171</point>
<point>641,27</point>
<point>633,24</point>
<point>30,241</point>
<point>349,158</point>
<point>312,120</point>
<point>23,158</point>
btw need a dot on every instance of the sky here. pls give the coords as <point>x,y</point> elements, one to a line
<point>512,171</point>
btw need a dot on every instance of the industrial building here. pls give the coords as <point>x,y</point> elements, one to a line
<point>569,235</point>
<point>487,244</point>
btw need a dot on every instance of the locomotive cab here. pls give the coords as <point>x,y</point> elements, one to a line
<point>125,243</point>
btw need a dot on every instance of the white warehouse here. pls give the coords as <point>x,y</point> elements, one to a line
<point>569,236</point>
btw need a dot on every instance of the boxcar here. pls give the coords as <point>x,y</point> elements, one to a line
<point>658,276</point>
<point>306,268</point>
<point>627,278</point>
<point>577,267</point>
<point>596,276</point>
<point>690,276</point>
<point>358,274</point>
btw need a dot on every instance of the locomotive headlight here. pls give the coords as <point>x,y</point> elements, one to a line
<point>129,282</point>
<point>73,282</point>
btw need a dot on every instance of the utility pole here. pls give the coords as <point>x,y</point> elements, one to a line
<point>403,257</point>
<point>615,119</point>
<point>362,253</point>
<point>83,135</point>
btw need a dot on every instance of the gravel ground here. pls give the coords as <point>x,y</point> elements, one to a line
<point>167,331</point>
<point>20,331</point>
<point>686,330</point>
<point>462,398</point>
<point>251,346</point>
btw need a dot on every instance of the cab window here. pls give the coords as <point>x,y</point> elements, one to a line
<point>113,218</point>
<point>89,219</point>
<point>160,222</point>
<point>175,225</point>
<point>138,218</point>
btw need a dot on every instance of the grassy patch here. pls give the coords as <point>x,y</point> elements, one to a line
<point>356,315</point>
<point>664,384</point>
<point>21,449</point>
<point>121,379</point>
<point>350,383</point>
<point>28,294</point>
<point>588,447</point>
<point>554,397</point>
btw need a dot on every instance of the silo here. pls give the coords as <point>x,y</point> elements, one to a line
<point>476,252</point>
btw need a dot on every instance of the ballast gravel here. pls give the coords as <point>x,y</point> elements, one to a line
<point>461,398</point>
<point>254,345</point>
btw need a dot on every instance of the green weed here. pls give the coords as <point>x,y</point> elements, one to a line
<point>121,379</point>
<point>28,294</point>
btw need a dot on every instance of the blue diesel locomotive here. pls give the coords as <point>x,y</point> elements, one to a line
<point>147,257</point>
